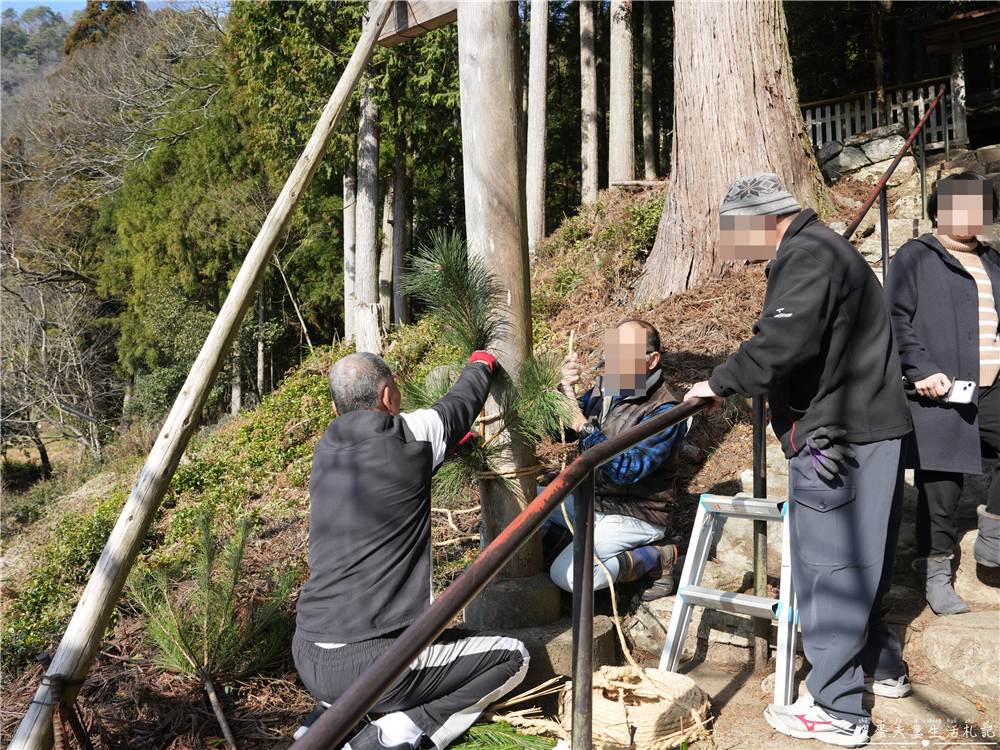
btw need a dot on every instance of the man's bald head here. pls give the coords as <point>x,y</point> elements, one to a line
<point>357,382</point>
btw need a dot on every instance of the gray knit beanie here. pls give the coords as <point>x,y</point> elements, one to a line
<point>758,194</point>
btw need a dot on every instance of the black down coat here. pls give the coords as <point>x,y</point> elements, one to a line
<point>934,303</point>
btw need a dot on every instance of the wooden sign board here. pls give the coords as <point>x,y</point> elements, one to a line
<point>412,18</point>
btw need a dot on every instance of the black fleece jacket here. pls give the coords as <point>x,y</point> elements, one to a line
<point>823,348</point>
<point>370,514</point>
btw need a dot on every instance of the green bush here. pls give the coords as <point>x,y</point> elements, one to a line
<point>155,391</point>
<point>41,609</point>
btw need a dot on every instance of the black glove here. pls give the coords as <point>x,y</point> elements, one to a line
<point>825,453</point>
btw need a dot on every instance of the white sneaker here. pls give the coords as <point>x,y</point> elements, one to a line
<point>316,713</point>
<point>805,720</point>
<point>896,687</point>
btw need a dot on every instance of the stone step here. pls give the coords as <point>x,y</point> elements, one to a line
<point>966,648</point>
<point>901,231</point>
<point>551,648</point>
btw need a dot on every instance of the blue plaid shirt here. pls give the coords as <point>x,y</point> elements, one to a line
<point>634,464</point>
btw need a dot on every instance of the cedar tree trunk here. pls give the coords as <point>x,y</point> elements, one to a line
<point>349,253</point>
<point>588,103</point>
<point>495,205</point>
<point>621,130</point>
<point>366,319</point>
<point>735,112</point>
<point>648,136</point>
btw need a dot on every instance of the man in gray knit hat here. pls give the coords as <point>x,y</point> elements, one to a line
<point>823,351</point>
<point>748,219</point>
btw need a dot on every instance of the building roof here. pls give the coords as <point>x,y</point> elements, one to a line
<point>976,28</point>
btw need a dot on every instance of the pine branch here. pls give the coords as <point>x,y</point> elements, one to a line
<point>500,736</point>
<point>461,471</point>
<point>459,291</point>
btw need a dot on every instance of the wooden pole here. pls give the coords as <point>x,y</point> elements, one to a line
<point>85,630</point>
<point>496,225</point>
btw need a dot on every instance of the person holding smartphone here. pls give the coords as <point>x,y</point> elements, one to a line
<point>943,290</point>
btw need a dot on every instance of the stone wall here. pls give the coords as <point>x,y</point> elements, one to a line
<point>867,155</point>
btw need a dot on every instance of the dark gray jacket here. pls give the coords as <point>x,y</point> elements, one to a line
<point>370,514</point>
<point>934,304</point>
<point>823,347</point>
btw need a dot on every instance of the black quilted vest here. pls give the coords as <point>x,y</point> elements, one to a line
<point>652,498</point>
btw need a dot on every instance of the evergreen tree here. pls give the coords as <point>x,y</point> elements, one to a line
<point>100,19</point>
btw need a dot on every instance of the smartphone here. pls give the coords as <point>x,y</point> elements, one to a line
<point>960,393</point>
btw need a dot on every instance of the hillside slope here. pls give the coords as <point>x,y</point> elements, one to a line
<point>257,466</point>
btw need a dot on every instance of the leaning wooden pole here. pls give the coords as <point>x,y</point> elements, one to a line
<point>83,636</point>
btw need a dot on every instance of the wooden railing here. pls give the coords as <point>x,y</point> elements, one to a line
<point>836,119</point>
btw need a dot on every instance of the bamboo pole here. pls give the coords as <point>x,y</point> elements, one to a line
<point>83,635</point>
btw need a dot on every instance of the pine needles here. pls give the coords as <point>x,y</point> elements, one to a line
<point>534,409</point>
<point>200,630</point>
<point>458,290</point>
<point>500,736</point>
<point>461,297</point>
<point>531,408</point>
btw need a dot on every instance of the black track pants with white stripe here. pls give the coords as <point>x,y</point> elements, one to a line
<point>444,690</point>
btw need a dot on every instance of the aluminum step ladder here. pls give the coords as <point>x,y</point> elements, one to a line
<point>712,509</point>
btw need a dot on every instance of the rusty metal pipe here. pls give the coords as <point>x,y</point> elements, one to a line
<point>331,728</point>
<point>583,614</point>
<point>892,168</point>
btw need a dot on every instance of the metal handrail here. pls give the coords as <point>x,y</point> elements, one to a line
<point>337,721</point>
<point>880,190</point>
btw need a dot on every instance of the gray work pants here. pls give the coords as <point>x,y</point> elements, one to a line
<point>843,545</point>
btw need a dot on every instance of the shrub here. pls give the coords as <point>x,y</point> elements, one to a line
<point>41,608</point>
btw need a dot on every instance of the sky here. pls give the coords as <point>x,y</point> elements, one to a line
<point>65,7</point>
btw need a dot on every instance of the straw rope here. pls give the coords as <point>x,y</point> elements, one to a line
<point>524,471</point>
<point>635,718</point>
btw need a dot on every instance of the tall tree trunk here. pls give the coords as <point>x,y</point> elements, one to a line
<point>537,93</point>
<point>400,311</point>
<point>236,394</point>
<point>366,318</point>
<point>385,264</point>
<point>877,9</point>
<point>495,204</point>
<point>43,454</point>
<point>260,342</point>
<point>127,396</point>
<point>621,130</point>
<point>588,103</point>
<point>350,249</point>
<point>751,74</point>
<point>648,134</point>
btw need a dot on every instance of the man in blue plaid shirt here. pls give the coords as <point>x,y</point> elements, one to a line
<point>635,493</point>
